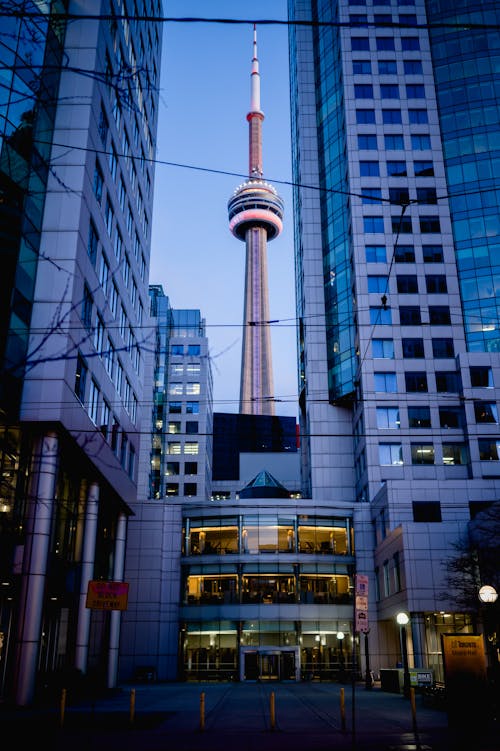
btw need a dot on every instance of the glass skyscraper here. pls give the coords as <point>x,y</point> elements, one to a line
<point>395,137</point>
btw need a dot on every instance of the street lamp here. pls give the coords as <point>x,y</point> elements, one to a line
<point>403,620</point>
<point>340,637</point>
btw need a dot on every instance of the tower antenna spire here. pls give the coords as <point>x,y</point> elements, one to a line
<point>255,216</point>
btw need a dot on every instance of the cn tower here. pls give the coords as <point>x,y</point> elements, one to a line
<point>255,216</point>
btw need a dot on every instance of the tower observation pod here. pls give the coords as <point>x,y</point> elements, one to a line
<point>256,216</point>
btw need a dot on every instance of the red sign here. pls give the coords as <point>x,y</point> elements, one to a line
<point>105,595</point>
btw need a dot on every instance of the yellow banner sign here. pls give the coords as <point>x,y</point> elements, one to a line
<point>105,595</point>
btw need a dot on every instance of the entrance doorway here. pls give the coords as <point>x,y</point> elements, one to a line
<point>264,664</point>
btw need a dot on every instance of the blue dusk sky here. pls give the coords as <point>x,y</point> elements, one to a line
<point>204,100</point>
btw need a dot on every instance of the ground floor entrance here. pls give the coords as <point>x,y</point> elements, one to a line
<point>264,664</point>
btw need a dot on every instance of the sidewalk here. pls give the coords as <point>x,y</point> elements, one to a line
<point>244,717</point>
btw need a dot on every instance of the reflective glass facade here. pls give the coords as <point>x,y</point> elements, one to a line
<point>466,70</point>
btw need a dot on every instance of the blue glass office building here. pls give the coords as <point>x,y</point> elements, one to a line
<point>395,137</point>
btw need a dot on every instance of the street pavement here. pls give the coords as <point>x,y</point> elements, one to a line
<point>243,717</point>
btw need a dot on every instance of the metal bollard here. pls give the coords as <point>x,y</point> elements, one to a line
<point>62,707</point>
<point>272,711</point>
<point>202,711</point>
<point>132,706</point>
<point>342,708</point>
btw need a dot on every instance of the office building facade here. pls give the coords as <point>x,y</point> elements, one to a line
<point>395,156</point>
<point>76,172</point>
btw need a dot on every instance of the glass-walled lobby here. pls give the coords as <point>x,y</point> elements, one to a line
<point>266,650</point>
<point>256,534</point>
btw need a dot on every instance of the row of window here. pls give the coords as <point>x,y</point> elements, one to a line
<point>388,418</point>
<point>452,453</point>
<point>381,2</point>
<point>401,225</point>
<point>404,254</point>
<point>389,91</point>
<point>435,284</point>
<point>387,67</point>
<point>190,389</point>
<point>410,315</point>
<point>190,427</point>
<point>174,489</point>
<point>385,44</point>
<point>416,382</point>
<point>392,116</point>
<point>398,168</point>
<point>192,350</point>
<point>101,414</point>
<point>190,408</point>
<point>400,196</point>
<point>394,142</point>
<point>180,368</point>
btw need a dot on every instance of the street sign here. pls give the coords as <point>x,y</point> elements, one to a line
<point>361,604</point>
<point>107,595</point>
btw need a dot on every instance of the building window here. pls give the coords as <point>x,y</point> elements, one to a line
<point>407,284</point>
<point>174,427</point>
<point>383,348</point>
<point>191,427</point>
<point>191,468</point>
<point>399,196</point>
<point>443,348</point>
<point>193,350</point>
<point>375,253</point>
<point>191,447</point>
<point>385,383</point>
<point>98,182</point>
<point>190,488</point>
<point>93,243</point>
<point>390,453</point>
<point>423,168</point>
<point>387,67</point>
<point>377,283</point>
<point>413,348</point>
<point>410,44</point>
<point>172,469</point>
<point>192,408</point>
<point>380,315</point>
<point>172,488</point>
<point>412,67</point>
<point>419,417</point>
<point>192,389</point>
<point>93,409</point>
<point>389,91</point>
<point>385,44</point>
<point>396,169</point>
<point>396,569</point>
<point>367,141</point>
<point>131,462</point>
<point>361,67</point>
<point>439,315</point>
<point>175,388</point>
<point>409,315</point>
<point>388,418</point>
<point>436,284</point>
<point>87,306</point>
<point>174,448</point>
<point>451,417</point>
<point>455,453</point>
<point>486,412</point>
<point>369,169</point>
<point>429,224</point>
<point>177,349</point>
<point>394,142</point>
<point>103,126</point>
<point>448,382</point>
<point>422,453</point>
<point>105,415</point>
<point>488,449</point>
<point>416,382</point>
<point>365,117</point>
<point>373,224</point>
<point>80,378</point>
<point>363,91</point>
<point>418,117</point>
<point>371,195</point>
<point>360,44</point>
<point>481,377</point>
<point>415,91</point>
<point>427,196</point>
<point>426,511</point>
<point>391,117</point>
<point>404,254</point>
<point>432,253</point>
<point>401,225</point>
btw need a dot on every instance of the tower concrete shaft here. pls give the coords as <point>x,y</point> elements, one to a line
<point>255,216</point>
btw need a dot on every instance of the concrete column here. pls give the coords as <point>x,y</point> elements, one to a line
<point>418,639</point>
<point>115,615</point>
<point>34,568</point>
<point>87,571</point>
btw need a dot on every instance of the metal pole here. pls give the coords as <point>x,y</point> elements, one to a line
<point>202,710</point>
<point>272,711</point>
<point>62,707</point>
<point>368,677</point>
<point>342,708</point>
<point>132,706</point>
<point>406,672</point>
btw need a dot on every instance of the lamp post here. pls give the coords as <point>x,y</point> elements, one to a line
<point>403,620</point>
<point>488,597</point>
<point>368,675</point>
<point>340,637</point>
